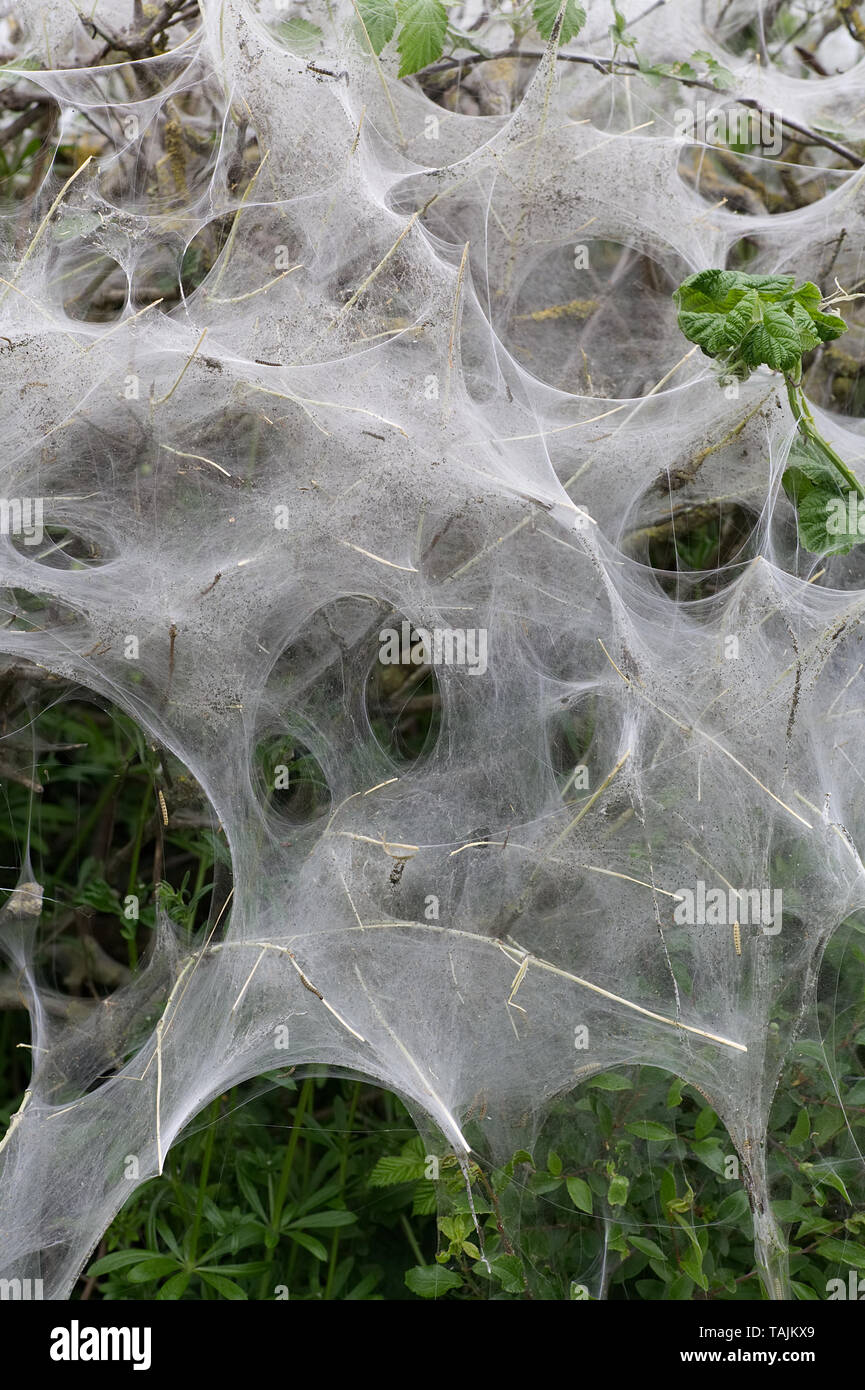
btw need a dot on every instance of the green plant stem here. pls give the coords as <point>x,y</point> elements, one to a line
<point>807,428</point>
<point>412,1239</point>
<point>202,1182</point>
<point>343,1166</point>
<point>284,1179</point>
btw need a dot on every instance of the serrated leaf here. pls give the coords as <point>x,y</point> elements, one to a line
<point>431,1281</point>
<point>379,21</point>
<point>396,1168</point>
<point>508,1270</point>
<point>422,34</point>
<point>756,320</point>
<point>546,12</point>
<point>425,1200</point>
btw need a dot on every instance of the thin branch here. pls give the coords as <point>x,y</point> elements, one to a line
<point>609,67</point>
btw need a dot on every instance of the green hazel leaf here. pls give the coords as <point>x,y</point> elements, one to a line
<point>546,12</point>
<point>804,325</point>
<point>379,20</point>
<point>431,1281</point>
<point>754,320</point>
<point>823,524</point>
<point>827,326</point>
<point>807,468</point>
<point>774,342</point>
<point>422,34</point>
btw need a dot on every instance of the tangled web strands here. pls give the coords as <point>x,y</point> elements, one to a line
<point>353,420</point>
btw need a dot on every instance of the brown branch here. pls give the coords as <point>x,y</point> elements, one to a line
<point>618,67</point>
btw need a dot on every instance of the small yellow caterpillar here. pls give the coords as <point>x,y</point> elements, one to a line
<point>737,938</point>
<point>162,807</point>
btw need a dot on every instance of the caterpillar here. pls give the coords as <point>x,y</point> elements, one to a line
<point>737,938</point>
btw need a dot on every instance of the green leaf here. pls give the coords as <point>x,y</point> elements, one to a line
<point>379,20</point>
<point>831,1179</point>
<point>674,1095</point>
<point>610,1081</point>
<point>651,1130</point>
<point>119,1259</point>
<point>647,1247</point>
<point>617,1192</point>
<point>309,1243</point>
<point>706,1121</point>
<point>431,1281</point>
<point>422,35</point>
<point>396,1168</point>
<point>820,496</point>
<point>721,76</point>
<point>681,1289</point>
<point>226,1287</point>
<point>324,1220</point>
<point>580,1194</point>
<point>785,1211</point>
<point>750,321</point>
<point>734,1207</point>
<point>710,1152</point>
<point>156,1268</point>
<point>300,36</point>
<point>174,1287</point>
<point>425,1200</point>
<point>846,1252</point>
<point>546,12</point>
<point>554,1163</point>
<point>508,1270</point>
<point>801,1129</point>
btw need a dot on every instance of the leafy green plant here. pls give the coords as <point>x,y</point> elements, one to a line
<point>748,321</point>
<point>423,27</point>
